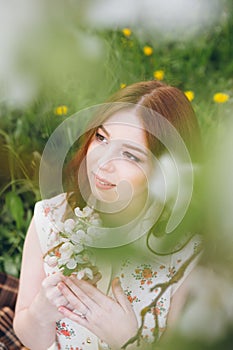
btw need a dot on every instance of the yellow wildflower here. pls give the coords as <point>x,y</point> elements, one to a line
<point>159,74</point>
<point>220,97</point>
<point>61,110</point>
<point>123,85</point>
<point>127,32</point>
<point>148,50</point>
<point>190,95</point>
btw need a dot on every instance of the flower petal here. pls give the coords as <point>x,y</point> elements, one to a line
<point>71,264</point>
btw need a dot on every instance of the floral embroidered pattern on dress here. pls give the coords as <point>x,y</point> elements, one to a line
<point>171,271</point>
<point>63,328</point>
<point>137,276</point>
<point>144,274</point>
<point>132,299</point>
<point>160,307</point>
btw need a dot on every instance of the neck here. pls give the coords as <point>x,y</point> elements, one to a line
<point>118,214</point>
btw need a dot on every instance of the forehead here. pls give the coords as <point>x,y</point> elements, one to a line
<point>126,125</point>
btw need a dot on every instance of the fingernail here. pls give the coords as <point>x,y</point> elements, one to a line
<point>60,285</point>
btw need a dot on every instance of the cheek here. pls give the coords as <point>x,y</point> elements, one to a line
<point>133,174</point>
<point>91,156</point>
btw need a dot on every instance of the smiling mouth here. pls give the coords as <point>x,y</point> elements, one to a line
<point>102,183</point>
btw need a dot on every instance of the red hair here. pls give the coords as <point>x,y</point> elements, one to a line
<point>166,101</point>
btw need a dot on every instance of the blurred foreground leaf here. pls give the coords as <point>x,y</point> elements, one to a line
<point>15,206</point>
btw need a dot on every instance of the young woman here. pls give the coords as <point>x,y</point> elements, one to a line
<point>117,173</point>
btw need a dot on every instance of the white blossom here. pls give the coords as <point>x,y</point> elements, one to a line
<point>87,211</point>
<point>77,237</point>
<point>73,237</point>
<point>80,274</point>
<point>66,250</point>
<point>78,248</point>
<point>85,272</point>
<point>51,260</point>
<point>84,238</point>
<point>63,260</point>
<point>89,273</point>
<point>71,264</point>
<point>69,225</point>
<point>78,212</point>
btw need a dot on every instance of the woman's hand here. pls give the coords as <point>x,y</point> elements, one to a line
<point>46,304</point>
<point>112,320</point>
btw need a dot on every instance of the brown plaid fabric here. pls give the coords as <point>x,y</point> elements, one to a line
<point>8,290</point>
<point>8,295</point>
<point>7,336</point>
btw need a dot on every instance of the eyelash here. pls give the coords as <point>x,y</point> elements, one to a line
<point>130,156</point>
<point>102,139</point>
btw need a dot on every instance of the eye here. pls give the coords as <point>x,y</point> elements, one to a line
<point>101,138</point>
<point>130,156</point>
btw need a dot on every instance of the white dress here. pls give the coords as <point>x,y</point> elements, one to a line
<point>137,273</point>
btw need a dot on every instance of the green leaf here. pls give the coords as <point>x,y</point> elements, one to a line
<point>66,271</point>
<point>15,206</point>
<point>10,266</point>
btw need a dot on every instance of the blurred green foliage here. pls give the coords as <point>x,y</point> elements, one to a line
<point>203,65</point>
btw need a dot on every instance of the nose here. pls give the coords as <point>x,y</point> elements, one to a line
<point>106,165</point>
<point>106,162</point>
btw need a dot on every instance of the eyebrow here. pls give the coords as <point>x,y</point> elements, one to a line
<point>124,144</point>
<point>135,148</point>
<point>104,130</point>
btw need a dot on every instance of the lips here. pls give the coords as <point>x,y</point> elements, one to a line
<point>103,183</point>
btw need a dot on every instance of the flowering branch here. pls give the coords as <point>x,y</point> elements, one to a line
<point>163,287</point>
<point>69,243</point>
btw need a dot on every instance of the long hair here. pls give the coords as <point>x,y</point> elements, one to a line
<point>166,101</point>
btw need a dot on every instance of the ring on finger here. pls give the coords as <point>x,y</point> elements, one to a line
<point>81,314</point>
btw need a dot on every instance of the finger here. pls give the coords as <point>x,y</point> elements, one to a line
<point>119,294</point>
<point>61,301</point>
<point>52,280</point>
<point>73,316</point>
<point>72,298</point>
<point>85,289</point>
<point>97,276</point>
<point>69,306</point>
<point>52,293</point>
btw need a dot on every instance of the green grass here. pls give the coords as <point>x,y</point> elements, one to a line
<point>203,65</point>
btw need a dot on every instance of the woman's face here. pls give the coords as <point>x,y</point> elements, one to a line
<point>118,162</point>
